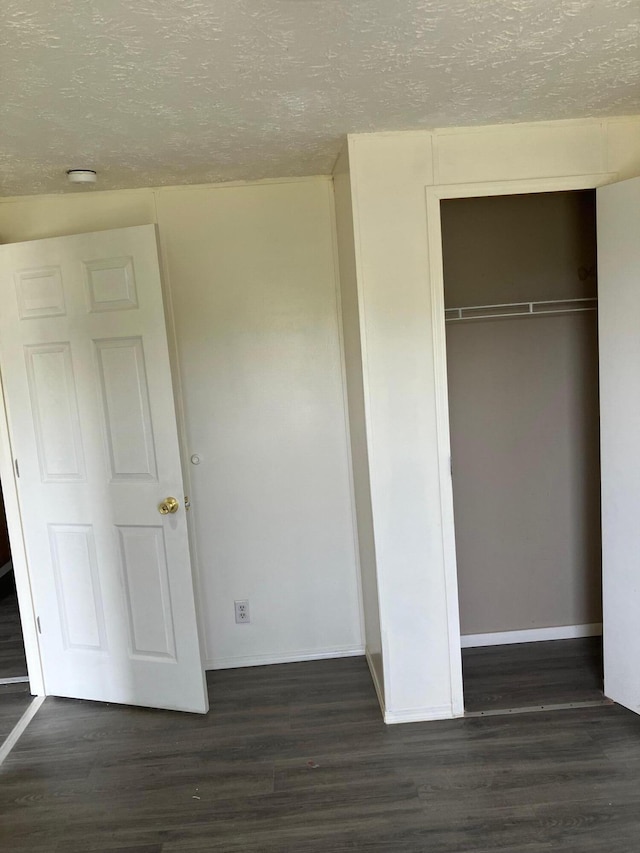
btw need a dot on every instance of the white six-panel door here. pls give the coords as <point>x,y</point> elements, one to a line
<point>618,212</point>
<point>85,369</point>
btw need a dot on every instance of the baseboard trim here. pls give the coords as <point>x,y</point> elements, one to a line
<point>533,635</point>
<point>407,715</point>
<point>419,715</point>
<point>297,657</point>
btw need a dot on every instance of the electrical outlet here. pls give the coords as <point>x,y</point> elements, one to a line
<point>242,611</point>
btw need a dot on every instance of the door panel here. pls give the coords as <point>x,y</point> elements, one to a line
<point>54,408</point>
<point>79,594</point>
<point>618,214</point>
<point>125,405</point>
<point>90,405</point>
<point>146,581</point>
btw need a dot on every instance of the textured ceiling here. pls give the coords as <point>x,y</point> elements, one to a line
<point>152,92</point>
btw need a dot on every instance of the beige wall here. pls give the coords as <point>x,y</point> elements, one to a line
<point>518,248</point>
<point>408,450</point>
<point>524,442</point>
<point>523,401</point>
<point>251,272</point>
<point>357,408</point>
<point>36,217</point>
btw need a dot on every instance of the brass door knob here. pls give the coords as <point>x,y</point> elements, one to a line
<point>168,505</point>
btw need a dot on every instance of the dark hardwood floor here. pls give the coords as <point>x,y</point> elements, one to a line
<point>12,659</point>
<point>14,701</point>
<point>528,674</point>
<point>88,777</point>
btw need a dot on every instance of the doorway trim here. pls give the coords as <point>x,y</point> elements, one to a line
<point>18,553</point>
<point>434,195</point>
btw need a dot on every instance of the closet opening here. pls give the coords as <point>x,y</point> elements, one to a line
<point>520,294</point>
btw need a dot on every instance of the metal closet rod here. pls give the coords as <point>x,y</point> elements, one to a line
<point>520,309</point>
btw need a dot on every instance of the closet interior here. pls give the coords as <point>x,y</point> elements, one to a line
<point>522,358</point>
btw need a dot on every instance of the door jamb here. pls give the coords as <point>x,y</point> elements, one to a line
<point>19,555</point>
<point>434,195</point>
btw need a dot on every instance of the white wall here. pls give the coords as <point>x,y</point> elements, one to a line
<point>389,173</point>
<point>252,276</point>
<point>357,407</point>
<point>251,273</point>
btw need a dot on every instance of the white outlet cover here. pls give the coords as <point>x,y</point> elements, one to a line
<point>242,611</point>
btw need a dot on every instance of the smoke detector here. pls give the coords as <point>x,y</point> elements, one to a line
<point>82,176</point>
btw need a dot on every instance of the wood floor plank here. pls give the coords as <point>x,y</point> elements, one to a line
<point>296,758</point>
<point>525,674</point>
<point>14,701</point>
<point>12,657</point>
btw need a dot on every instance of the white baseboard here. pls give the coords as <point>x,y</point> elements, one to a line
<point>533,635</point>
<point>408,715</point>
<point>297,657</point>
<point>4,570</point>
<point>419,715</point>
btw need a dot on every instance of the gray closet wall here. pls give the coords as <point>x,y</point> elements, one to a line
<point>523,398</point>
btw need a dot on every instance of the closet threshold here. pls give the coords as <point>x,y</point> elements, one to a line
<point>533,709</point>
<point>520,309</point>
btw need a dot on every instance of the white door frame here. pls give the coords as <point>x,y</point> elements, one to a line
<point>434,195</point>
<point>18,554</point>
